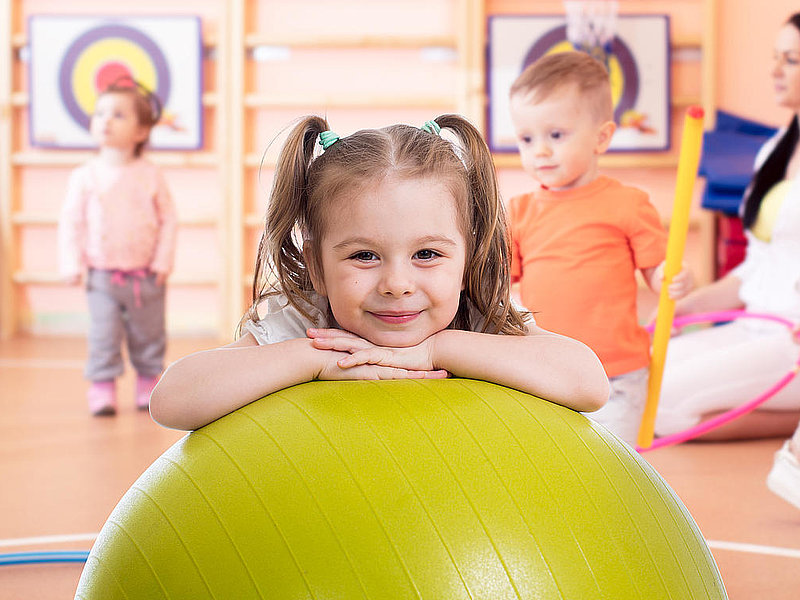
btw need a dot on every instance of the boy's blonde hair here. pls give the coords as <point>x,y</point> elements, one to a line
<point>554,71</point>
<point>307,186</point>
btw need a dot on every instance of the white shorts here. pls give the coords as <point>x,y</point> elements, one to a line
<point>720,368</point>
<point>622,414</point>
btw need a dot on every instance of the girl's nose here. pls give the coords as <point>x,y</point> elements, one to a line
<point>397,281</point>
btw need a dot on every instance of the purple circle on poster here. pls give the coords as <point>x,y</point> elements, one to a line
<point>95,35</point>
<point>619,49</point>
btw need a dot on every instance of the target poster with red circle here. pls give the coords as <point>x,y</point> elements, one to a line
<point>637,59</point>
<point>73,58</point>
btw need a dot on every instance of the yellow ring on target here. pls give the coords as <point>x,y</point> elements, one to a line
<point>110,49</point>
<point>615,76</point>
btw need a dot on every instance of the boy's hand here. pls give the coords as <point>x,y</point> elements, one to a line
<point>682,283</point>
<point>414,362</point>
<point>161,278</point>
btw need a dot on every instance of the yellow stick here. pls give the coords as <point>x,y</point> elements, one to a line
<point>678,227</point>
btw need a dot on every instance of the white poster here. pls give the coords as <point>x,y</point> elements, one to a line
<point>638,63</point>
<point>74,57</point>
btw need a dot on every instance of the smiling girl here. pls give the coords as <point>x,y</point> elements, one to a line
<point>384,257</point>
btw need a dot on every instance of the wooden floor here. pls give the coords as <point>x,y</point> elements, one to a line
<point>62,472</point>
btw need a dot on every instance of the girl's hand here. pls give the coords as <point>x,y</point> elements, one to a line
<point>161,279</point>
<point>72,279</point>
<point>416,360</point>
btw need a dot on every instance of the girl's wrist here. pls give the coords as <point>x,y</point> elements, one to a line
<point>315,358</point>
<point>439,348</point>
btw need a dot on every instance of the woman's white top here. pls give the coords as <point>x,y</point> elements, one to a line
<point>770,272</point>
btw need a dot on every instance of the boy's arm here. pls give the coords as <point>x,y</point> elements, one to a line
<point>545,364</point>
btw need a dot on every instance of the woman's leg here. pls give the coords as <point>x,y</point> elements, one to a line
<point>713,370</point>
<point>758,424</point>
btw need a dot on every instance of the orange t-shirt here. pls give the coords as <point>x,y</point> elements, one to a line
<point>576,252</point>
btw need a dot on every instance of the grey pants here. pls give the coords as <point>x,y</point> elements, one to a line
<point>120,310</point>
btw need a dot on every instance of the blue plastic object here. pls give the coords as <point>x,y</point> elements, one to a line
<point>29,558</point>
<point>727,160</point>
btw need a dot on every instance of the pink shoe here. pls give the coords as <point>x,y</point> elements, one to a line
<point>102,397</point>
<point>144,386</point>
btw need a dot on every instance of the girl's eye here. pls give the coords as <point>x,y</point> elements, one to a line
<point>426,254</point>
<point>364,256</point>
<point>526,139</point>
<point>556,135</point>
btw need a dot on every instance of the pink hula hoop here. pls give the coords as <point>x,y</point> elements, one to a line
<point>706,426</point>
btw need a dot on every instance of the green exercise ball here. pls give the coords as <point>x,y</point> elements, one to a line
<point>440,489</point>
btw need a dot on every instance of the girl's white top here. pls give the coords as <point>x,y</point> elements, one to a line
<point>117,217</point>
<point>770,272</point>
<point>283,321</point>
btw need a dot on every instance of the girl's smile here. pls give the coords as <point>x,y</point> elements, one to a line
<point>396,318</point>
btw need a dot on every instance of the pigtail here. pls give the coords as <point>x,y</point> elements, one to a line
<point>487,277</point>
<point>280,264</point>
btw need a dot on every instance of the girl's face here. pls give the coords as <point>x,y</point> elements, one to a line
<point>115,123</point>
<point>786,68</point>
<point>392,261</point>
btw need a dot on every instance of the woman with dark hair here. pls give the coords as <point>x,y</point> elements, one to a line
<point>715,369</point>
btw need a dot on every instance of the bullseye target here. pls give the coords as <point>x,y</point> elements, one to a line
<point>101,56</point>
<point>74,58</point>
<point>638,64</point>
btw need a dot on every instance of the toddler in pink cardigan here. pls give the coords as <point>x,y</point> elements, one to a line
<point>118,227</point>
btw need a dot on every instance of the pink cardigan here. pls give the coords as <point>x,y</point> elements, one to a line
<point>117,217</point>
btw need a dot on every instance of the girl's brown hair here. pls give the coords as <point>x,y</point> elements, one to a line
<point>146,105</point>
<point>305,187</point>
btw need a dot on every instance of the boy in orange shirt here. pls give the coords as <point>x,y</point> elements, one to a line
<point>580,237</point>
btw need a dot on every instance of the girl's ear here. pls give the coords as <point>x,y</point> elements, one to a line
<point>604,134</point>
<point>314,268</point>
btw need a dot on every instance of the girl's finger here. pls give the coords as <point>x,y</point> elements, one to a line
<point>368,356</point>
<point>314,332</point>
<point>340,344</point>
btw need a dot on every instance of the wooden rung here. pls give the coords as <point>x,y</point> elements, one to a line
<point>621,160</point>
<point>38,278</point>
<point>348,101</point>
<point>350,41</point>
<point>21,99</point>
<point>21,218</point>
<point>68,158</point>
<point>682,102</point>
<point>252,220</point>
<point>686,41</point>
<point>255,161</point>
<point>20,40</point>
